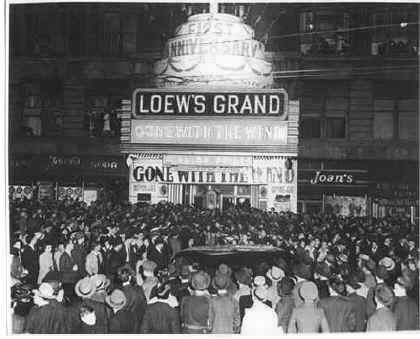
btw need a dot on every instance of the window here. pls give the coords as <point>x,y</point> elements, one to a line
<point>306,21</point>
<point>328,21</point>
<point>335,127</point>
<point>112,32</point>
<point>396,32</point>
<point>408,119</point>
<point>383,119</point>
<point>310,128</point>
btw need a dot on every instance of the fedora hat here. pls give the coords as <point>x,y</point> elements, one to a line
<point>308,291</point>
<point>100,281</point>
<point>46,291</point>
<point>200,280</point>
<point>117,299</point>
<point>275,273</point>
<point>388,263</point>
<point>85,287</point>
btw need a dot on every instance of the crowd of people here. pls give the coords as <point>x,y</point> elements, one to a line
<point>113,267</point>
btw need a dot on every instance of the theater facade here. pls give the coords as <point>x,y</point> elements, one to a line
<point>213,132</point>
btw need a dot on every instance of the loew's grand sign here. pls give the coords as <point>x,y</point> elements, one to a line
<point>254,103</point>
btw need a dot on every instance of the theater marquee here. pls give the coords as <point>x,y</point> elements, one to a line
<point>254,103</point>
<point>246,131</point>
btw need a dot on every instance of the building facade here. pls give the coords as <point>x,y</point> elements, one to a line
<point>353,68</point>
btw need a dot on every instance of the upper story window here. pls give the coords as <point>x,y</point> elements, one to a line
<point>396,32</point>
<point>396,111</point>
<point>324,110</point>
<point>323,32</point>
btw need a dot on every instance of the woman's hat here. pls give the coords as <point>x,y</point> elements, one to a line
<point>308,291</point>
<point>384,295</point>
<point>117,299</point>
<point>200,280</point>
<point>85,287</point>
<point>275,273</point>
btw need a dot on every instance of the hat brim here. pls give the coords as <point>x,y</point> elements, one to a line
<point>110,303</point>
<point>80,293</point>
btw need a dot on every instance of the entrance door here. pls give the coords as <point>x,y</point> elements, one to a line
<point>227,202</point>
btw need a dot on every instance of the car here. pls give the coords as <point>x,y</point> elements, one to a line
<point>233,255</point>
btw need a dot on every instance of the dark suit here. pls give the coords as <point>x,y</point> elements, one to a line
<point>30,261</point>
<point>160,258</point>
<point>160,318</point>
<point>136,304</point>
<point>406,312</point>
<point>361,314</point>
<point>121,322</point>
<point>340,313</point>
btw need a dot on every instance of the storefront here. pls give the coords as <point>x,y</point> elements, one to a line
<point>220,137</point>
<point>338,187</point>
<point>59,176</point>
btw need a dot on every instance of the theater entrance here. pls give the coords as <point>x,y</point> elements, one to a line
<point>217,196</point>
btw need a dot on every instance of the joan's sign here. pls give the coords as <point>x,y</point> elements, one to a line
<point>257,103</point>
<point>329,178</point>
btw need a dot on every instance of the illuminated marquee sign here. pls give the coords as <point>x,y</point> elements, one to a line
<point>257,103</point>
<point>245,131</point>
<point>181,175</point>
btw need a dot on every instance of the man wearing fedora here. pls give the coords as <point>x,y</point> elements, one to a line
<point>339,310</point>
<point>302,273</point>
<point>91,293</point>
<point>359,302</point>
<point>136,300</point>
<point>224,315</point>
<point>286,304</point>
<point>405,308</point>
<point>260,319</point>
<point>274,274</point>
<point>161,317</point>
<point>195,309</point>
<point>244,294</point>
<point>48,315</point>
<point>382,319</point>
<point>121,320</point>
